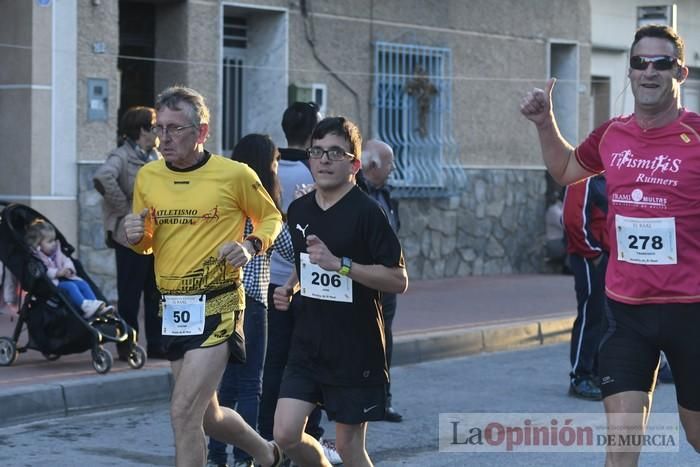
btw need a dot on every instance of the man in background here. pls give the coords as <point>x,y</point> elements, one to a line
<point>585,211</point>
<point>377,165</point>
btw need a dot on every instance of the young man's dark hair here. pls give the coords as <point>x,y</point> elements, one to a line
<point>342,127</point>
<point>661,32</point>
<point>134,119</point>
<point>298,121</point>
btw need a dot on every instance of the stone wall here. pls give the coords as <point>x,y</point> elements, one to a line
<point>94,254</point>
<point>495,226</point>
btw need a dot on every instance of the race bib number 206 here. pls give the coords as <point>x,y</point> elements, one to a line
<point>318,283</point>
<point>646,241</point>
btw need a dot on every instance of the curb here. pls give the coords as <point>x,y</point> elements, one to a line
<point>40,401</point>
<point>423,347</point>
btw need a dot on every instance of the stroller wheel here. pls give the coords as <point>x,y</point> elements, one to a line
<point>8,351</point>
<point>137,357</point>
<point>51,356</point>
<point>102,360</point>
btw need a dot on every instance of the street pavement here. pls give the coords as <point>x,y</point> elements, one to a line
<point>435,319</point>
<point>530,380</point>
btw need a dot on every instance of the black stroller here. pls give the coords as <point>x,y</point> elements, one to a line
<point>54,325</point>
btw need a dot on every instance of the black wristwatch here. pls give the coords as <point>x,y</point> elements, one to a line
<point>257,244</point>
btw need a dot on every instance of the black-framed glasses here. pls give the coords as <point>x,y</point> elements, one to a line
<point>334,153</point>
<point>658,62</point>
<point>172,130</point>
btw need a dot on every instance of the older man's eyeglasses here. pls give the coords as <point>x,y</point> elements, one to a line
<point>658,62</point>
<point>334,153</point>
<point>172,130</point>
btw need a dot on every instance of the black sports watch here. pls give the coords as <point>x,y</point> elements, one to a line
<point>257,244</point>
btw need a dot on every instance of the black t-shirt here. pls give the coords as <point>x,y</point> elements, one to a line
<point>343,343</point>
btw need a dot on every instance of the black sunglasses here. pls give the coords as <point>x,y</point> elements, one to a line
<point>659,62</point>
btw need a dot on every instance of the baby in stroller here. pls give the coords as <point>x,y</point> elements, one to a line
<point>41,238</point>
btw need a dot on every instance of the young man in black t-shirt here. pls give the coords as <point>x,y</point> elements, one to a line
<point>346,256</point>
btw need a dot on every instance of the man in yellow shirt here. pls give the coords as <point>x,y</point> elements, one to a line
<point>190,210</point>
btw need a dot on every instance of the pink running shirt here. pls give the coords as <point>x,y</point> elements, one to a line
<point>650,174</point>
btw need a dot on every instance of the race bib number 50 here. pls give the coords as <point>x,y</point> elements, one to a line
<point>646,241</point>
<point>318,283</point>
<point>183,315</point>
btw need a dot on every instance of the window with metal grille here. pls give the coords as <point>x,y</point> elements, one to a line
<point>232,100</point>
<point>235,38</point>
<point>413,114</point>
<point>235,32</point>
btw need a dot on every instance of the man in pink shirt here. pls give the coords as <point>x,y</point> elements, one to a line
<point>651,161</point>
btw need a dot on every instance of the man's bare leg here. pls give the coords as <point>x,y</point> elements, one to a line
<point>627,413</point>
<point>194,406</point>
<point>350,443</point>
<point>290,419</point>
<point>226,425</point>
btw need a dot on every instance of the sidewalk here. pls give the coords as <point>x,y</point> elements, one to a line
<point>435,319</point>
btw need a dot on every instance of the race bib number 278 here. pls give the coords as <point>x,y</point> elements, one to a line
<point>650,241</point>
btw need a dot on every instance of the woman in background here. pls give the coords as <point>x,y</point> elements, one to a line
<point>114,180</point>
<point>241,385</point>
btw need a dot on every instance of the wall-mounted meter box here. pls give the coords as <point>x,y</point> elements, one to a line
<point>98,97</point>
<point>315,92</point>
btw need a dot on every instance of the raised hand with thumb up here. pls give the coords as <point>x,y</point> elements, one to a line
<point>536,106</point>
<point>134,225</point>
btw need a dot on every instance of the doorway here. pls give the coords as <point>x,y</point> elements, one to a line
<point>136,54</point>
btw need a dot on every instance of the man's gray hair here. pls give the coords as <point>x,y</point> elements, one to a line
<point>174,96</point>
<point>369,156</point>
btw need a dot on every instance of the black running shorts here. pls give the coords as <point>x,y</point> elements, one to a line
<point>629,350</point>
<point>223,323</point>
<point>350,405</point>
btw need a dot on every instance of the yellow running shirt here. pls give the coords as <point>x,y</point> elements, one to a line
<point>193,212</point>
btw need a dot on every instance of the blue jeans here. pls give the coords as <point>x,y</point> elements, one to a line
<point>241,385</point>
<point>77,289</point>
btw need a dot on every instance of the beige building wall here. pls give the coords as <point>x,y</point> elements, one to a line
<point>16,89</point>
<point>171,45</point>
<point>188,38</point>
<point>499,50</point>
<point>614,24</point>
<point>30,174</point>
<point>98,49</point>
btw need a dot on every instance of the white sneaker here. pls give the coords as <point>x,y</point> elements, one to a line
<point>90,307</point>
<point>105,309</point>
<point>330,452</point>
